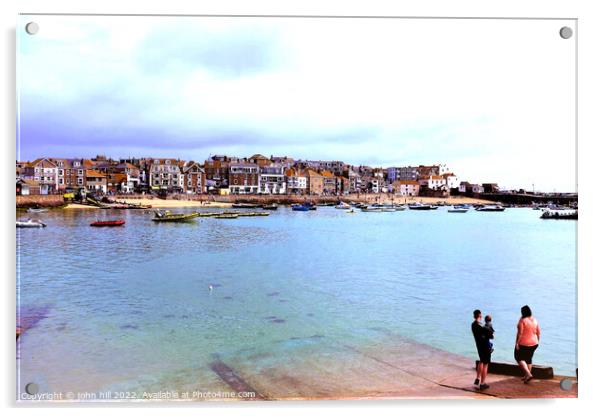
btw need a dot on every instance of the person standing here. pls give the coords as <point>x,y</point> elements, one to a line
<point>482,335</point>
<point>528,335</point>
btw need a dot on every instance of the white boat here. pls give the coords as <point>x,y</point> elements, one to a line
<point>399,207</point>
<point>36,210</point>
<point>30,224</point>
<point>343,205</point>
<point>372,208</point>
<point>491,208</point>
<point>458,210</point>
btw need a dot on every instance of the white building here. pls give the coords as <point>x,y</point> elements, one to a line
<point>272,180</point>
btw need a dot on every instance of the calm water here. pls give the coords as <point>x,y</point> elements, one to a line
<point>129,308</point>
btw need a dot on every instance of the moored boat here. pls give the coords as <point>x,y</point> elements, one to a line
<point>36,210</point>
<point>458,210</point>
<point>559,214</point>
<point>270,207</point>
<point>227,216</point>
<point>491,208</point>
<point>420,207</point>
<point>299,207</point>
<point>167,216</point>
<point>29,223</point>
<point>113,223</point>
<point>343,205</point>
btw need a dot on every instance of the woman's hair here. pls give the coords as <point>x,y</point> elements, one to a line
<point>525,311</point>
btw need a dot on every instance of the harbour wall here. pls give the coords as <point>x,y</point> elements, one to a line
<point>26,201</point>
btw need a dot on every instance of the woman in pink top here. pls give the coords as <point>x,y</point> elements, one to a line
<point>528,335</point>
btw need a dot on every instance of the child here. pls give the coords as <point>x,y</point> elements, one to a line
<point>489,326</point>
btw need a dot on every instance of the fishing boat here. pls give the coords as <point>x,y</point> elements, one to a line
<point>559,214</point>
<point>300,207</point>
<point>491,208</point>
<point>36,210</point>
<point>167,216</point>
<point>113,223</point>
<point>29,223</point>
<point>270,207</point>
<point>420,207</point>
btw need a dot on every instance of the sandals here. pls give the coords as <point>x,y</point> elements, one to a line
<point>528,379</point>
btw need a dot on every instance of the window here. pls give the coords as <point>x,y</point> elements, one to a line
<point>80,171</point>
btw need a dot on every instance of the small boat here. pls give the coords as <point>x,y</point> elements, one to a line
<point>245,205</point>
<point>270,207</point>
<point>30,224</point>
<point>312,207</point>
<point>36,210</point>
<point>491,208</point>
<point>114,223</point>
<point>399,207</point>
<point>457,209</point>
<point>300,207</point>
<point>373,208</point>
<point>351,211</point>
<point>343,205</point>
<point>167,216</point>
<point>559,214</point>
<point>420,207</point>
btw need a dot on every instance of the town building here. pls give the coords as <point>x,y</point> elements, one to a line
<point>296,181</point>
<point>243,178</point>
<point>315,182</point>
<point>44,172</point>
<point>272,179</point>
<point>165,174</point>
<point>330,182</point>
<point>194,180</point>
<point>406,187</point>
<point>96,181</point>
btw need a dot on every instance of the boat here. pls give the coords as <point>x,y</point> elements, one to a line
<point>373,208</point>
<point>559,214</point>
<point>399,207</point>
<point>113,223</point>
<point>167,216</point>
<point>245,205</point>
<point>300,207</point>
<point>270,207</point>
<point>29,223</point>
<point>351,211</point>
<point>36,210</point>
<point>342,205</point>
<point>458,209</point>
<point>491,208</point>
<point>420,207</point>
<point>312,207</point>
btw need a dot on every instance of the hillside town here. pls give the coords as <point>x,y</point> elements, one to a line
<point>227,175</point>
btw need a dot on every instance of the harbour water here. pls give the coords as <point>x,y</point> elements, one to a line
<point>129,308</point>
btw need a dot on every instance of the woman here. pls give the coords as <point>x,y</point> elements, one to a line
<point>528,336</point>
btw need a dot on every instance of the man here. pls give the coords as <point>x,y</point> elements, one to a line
<point>482,335</point>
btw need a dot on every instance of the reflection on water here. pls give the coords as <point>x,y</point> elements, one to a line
<point>130,307</point>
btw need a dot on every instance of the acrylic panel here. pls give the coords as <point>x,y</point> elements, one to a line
<point>274,208</point>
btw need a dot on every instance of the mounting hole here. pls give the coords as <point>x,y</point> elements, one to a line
<point>32,28</point>
<point>31,388</point>
<point>566,32</point>
<point>566,384</point>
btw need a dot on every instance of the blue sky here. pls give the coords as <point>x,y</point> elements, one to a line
<point>492,99</point>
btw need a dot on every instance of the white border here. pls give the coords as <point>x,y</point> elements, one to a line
<point>590,120</point>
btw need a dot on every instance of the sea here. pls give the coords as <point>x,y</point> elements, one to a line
<point>152,307</point>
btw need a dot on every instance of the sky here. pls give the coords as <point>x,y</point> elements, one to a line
<point>492,99</point>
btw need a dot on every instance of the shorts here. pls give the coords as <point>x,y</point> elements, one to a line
<point>525,353</point>
<point>484,354</point>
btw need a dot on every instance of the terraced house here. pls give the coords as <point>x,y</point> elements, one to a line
<point>194,178</point>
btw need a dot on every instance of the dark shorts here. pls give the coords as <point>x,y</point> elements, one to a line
<point>524,353</point>
<point>484,354</point>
